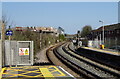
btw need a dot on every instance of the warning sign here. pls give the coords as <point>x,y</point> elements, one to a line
<point>23,51</point>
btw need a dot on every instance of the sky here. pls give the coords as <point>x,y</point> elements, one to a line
<point>118,12</point>
<point>71,16</point>
<point>60,0</point>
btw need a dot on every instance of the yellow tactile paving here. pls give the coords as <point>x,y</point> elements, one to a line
<point>105,51</point>
<point>46,72</point>
<point>32,72</point>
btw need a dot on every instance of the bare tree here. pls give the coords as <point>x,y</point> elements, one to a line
<point>5,20</point>
<point>4,23</point>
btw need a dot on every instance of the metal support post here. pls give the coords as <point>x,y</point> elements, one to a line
<point>40,40</point>
<point>10,51</point>
<point>102,31</point>
<point>100,39</point>
<point>2,42</point>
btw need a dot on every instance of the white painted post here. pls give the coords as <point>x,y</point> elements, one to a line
<point>10,51</point>
<point>100,39</point>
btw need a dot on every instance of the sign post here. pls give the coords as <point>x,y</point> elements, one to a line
<point>9,33</point>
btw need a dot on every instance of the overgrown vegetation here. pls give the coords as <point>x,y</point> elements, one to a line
<point>47,39</point>
<point>61,38</point>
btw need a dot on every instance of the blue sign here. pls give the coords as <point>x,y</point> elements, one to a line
<point>9,32</point>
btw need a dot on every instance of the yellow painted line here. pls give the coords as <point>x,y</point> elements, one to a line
<point>55,70</point>
<point>61,73</point>
<point>46,72</point>
<point>115,53</point>
<point>2,72</point>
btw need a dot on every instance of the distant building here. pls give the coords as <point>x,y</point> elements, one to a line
<point>24,28</point>
<point>109,31</point>
<point>111,34</point>
<point>31,29</point>
<point>49,30</point>
<point>60,30</point>
<point>18,29</point>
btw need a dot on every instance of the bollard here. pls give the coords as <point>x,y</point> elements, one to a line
<point>102,46</point>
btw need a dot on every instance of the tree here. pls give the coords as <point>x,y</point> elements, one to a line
<point>3,23</point>
<point>86,30</point>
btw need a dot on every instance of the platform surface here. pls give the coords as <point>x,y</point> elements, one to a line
<point>103,51</point>
<point>35,72</point>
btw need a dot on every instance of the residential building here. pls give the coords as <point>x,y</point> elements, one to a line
<point>48,30</point>
<point>111,35</point>
<point>60,30</point>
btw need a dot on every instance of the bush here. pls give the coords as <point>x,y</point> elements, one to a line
<point>35,37</point>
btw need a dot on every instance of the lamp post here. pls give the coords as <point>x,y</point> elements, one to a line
<point>1,46</point>
<point>40,38</point>
<point>103,30</point>
<point>2,42</point>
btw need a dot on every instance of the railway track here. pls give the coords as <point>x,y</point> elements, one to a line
<point>84,66</point>
<point>56,61</point>
<point>101,64</point>
<point>111,61</point>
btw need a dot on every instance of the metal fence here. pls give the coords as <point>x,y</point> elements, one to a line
<point>95,43</point>
<point>113,41</point>
<point>109,42</point>
<point>18,52</point>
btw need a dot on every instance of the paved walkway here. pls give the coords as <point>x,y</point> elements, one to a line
<point>36,72</point>
<point>108,51</point>
<point>42,56</point>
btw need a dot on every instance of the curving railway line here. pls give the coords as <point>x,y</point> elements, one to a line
<point>85,66</point>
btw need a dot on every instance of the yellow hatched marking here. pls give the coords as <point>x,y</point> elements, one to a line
<point>30,72</point>
<point>17,67</point>
<point>46,72</point>
<point>61,74</point>
<point>14,75</point>
<point>26,75</point>
<point>25,72</point>
<point>2,72</point>
<point>29,75</point>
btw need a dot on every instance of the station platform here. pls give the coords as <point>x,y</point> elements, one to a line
<point>103,51</point>
<point>102,56</point>
<point>35,72</point>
